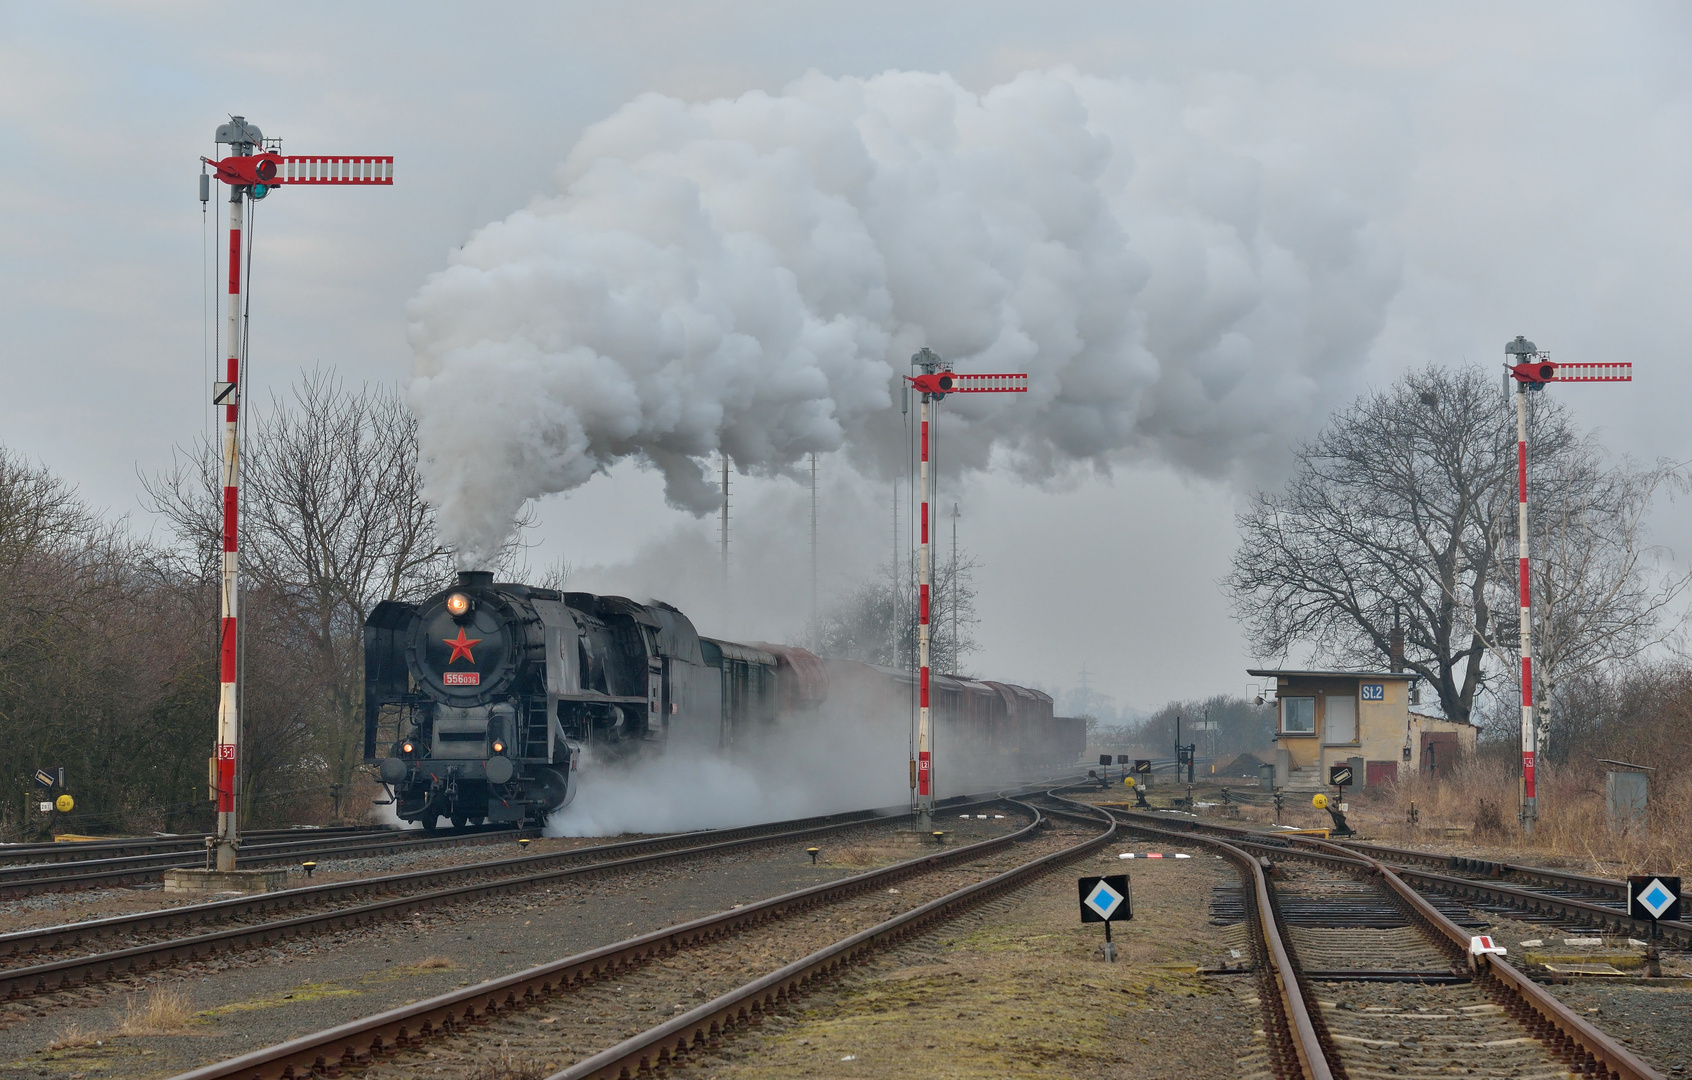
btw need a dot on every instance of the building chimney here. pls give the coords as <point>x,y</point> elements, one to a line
<point>1395,643</point>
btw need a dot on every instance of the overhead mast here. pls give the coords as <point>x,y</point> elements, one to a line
<point>936,382</point>
<point>251,170</point>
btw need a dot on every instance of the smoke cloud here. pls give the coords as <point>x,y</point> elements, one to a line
<point>1189,274</point>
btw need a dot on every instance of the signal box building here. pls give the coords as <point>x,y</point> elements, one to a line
<point>1365,719</point>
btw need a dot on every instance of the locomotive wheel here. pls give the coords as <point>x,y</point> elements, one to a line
<point>432,825</point>
<point>459,821</point>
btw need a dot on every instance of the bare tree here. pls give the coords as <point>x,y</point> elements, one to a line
<point>876,621</point>
<point>90,653</point>
<point>1599,594</point>
<point>333,523</point>
<point>1405,508</point>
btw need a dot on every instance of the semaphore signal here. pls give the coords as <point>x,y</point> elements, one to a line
<point>251,171</point>
<point>1532,369</point>
<point>934,383</point>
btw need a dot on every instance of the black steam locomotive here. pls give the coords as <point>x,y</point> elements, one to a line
<point>481,701</point>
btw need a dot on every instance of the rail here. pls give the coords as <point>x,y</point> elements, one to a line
<point>1545,1017</point>
<point>1293,1035</point>
<point>366,1040</point>
<point>1550,1019</point>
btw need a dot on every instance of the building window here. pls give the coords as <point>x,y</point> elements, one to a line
<point>1298,716</point>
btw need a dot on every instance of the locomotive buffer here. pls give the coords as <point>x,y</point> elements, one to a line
<point>936,382</point>
<point>252,169</point>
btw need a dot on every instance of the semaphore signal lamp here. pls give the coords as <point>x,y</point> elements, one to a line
<point>259,172</point>
<point>937,384</point>
<point>1534,374</point>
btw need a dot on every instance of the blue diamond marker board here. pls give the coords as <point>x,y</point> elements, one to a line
<point>1105,899</point>
<point>1654,898</point>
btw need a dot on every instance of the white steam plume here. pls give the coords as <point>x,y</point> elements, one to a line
<point>1188,274</point>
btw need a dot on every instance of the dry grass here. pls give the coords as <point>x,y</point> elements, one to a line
<point>431,962</point>
<point>76,1037</point>
<point>856,855</point>
<point>509,1068</point>
<point>1483,794</point>
<point>165,1011</point>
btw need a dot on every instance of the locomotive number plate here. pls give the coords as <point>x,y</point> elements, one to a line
<point>461,678</point>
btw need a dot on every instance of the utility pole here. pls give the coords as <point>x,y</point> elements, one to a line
<point>935,383</point>
<point>1532,369</point>
<point>253,170</point>
<point>813,538</point>
<point>723,530</point>
<point>952,589</point>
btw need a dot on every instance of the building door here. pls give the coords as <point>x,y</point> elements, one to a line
<point>1340,725</point>
<point>1380,772</point>
<point>1439,753</point>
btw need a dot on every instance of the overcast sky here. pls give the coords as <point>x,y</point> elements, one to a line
<point>1519,168</point>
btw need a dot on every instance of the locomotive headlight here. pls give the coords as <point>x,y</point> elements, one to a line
<point>458,605</point>
<point>499,747</point>
<point>407,747</point>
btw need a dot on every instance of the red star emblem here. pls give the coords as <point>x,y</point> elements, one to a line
<point>460,646</point>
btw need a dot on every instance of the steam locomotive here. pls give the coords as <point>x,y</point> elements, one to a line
<point>482,700</point>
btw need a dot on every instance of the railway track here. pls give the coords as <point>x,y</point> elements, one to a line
<point>81,850</point>
<point>126,869</point>
<point>1408,998</point>
<point>150,940</point>
<point>1528,893</point>
<point>646,968</point>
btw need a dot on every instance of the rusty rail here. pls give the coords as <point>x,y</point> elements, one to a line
<point>485,879</point>
<point>1294,1039</point>
<point>361,1042</point>
<point>662,1048</point>
<point>1583,1046</point>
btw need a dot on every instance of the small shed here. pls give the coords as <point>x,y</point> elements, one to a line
<point>1359,718</point>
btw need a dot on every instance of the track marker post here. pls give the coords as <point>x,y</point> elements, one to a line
<point>1532,369</point>
<point>1106,899</point>
<point>252,170</point>
<point>935,382</point>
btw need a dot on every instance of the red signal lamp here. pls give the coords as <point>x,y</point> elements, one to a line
<point>938,383</point>
<point>1535,371</point>
<point>264,169</point>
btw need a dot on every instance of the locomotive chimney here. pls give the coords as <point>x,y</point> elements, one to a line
<point>470,579</point>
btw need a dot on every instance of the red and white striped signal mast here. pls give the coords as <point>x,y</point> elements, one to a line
<point>252,169</point>
<point>936,382</point>
<point>1532,369</point>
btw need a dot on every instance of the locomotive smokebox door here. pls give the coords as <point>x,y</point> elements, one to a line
<point>655,718</point>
